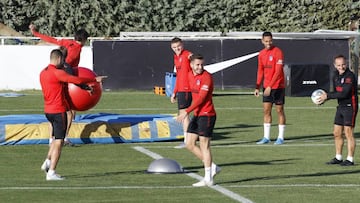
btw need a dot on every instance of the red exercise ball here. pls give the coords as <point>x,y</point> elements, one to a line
<point>80,99</point>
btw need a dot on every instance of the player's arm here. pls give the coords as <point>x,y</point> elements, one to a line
<point>203,94</point>
<point>346,89</point>
<point>259,78</point>
<point>260,73</point>
<point>65,77</point>
<point>46,38</point>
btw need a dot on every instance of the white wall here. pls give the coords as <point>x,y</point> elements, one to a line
<point>20,65</point>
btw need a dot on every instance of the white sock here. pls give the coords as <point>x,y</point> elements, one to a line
<point>338,157</point>
<point>207,176</point>
<point>350,158</point>
<point>281,131</point>
<point>185,133</point>
<point>47,161</point>
<point>213,165</point>
<point>267,130</point>
<point>51,172</point>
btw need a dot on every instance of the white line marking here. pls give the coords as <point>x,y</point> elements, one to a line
<point>218,188</point>
<point>148,152</point>
<point>294,185</point>
<point>94,188</point>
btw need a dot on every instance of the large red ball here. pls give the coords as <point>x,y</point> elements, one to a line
<point>80,99</point>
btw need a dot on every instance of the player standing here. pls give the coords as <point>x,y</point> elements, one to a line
<point>271,74</point>
<point>52,80</point>
<point>73,48</point>
<point>346,92</point>
<point>181,91</point>
<point>202,123</point>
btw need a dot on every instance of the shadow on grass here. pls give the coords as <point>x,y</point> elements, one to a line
<point>260,163</point>
<point>321,137</point>
<point>292,176</point>
<point>91,175</point>
<point>228,130</point>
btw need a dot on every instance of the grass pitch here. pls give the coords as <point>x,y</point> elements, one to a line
<point>293,172</point>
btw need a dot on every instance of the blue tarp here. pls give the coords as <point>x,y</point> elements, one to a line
<point>92,128</point>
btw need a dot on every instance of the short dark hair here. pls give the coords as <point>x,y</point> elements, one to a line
<point>56,53</point>
<point>196,56</point>
<point>267,34</point>
<point>175,40</point>
<point>339,56</point>
<point>81,35</point>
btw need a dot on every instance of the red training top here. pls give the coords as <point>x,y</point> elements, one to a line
<point>182,66</point>
<point>52,82</point>
<point>202,87</point>
<point>73,48</point>
<point>270,68</point>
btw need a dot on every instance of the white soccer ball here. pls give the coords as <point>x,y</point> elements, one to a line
<point>315,96</point>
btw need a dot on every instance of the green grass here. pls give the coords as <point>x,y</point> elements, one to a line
<point>294,172</point>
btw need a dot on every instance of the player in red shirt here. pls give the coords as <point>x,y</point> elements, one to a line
<point>52,80</point>
<point>202,123</point>
<point>181,92</point>
<point>73,48</point>
<point>271,74</point>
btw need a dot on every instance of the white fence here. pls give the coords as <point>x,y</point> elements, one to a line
<point>21,65</point>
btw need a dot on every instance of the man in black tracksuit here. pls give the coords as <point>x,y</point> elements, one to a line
<point>345,84</point>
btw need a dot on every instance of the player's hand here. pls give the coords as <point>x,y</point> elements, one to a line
<point>267,91</point>
<point>90,89</point>
<point>322,98</point>
<point>173,98</point>
<point>100,78</point>
<point>180,118</point>
<point>256,93</point>
<point>32,27</point>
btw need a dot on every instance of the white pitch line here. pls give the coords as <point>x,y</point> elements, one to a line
<point>218,188</point>
<point>173,187</point>
<point>294,185</point>
<point>93,188</point>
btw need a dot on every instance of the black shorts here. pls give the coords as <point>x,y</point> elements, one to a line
<point>277,97</point>
<point>59,124</point>
<point>183,99</point>
<point>345,116</point>
<point>202,125</point>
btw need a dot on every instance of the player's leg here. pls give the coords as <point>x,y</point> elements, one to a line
<point>59,128</point>
<point>184,100</point>
<point>70,118</point>
<point>192,146</point>
<point>349,114</point>
<point>207,158</point>
<point>338,139</point>
<point>205,126</point>
<point>267,107</point>
<point>46,164</point>
<point>351,143</point>
<point>185,123</point>
<point>279,100</point>
<point>339,143</point>
<point>281,124</point>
